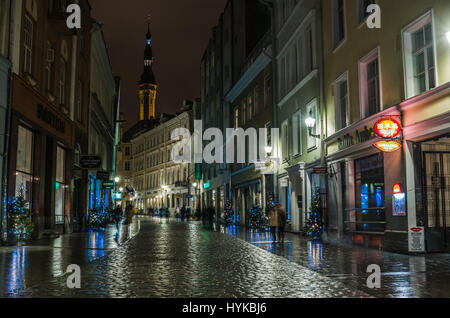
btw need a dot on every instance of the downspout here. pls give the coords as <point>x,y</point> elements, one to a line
<point>270,4</point>
<point>7,136</point>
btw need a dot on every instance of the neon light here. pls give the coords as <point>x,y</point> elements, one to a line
<point>388,128</point>
<point>388,146</point>
<point>397,188</point>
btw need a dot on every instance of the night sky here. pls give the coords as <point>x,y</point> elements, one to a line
<point>181,30</point>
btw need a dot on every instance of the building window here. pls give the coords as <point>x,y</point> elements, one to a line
<point>80,93</point>
<point>62,81</point>
<point>236,118</point>
<point>311,110</point>
<point>28,44</point>
<point>297,133</point>
<point>267,90</point>
<point>244,113</point>
<point>285,140</point>
<point>24,166</point>
<point>419,55</point>
<point>60,185</point>
<point>127,166</point>
<point>256,101</point>
<point>362,9</point>
<point>338,22</point>
<point>127,151</point>
<point>341,102</point>
<point>250,107</point>
<point>297,62</point>
<point>48,67</point>
<point>369,84</point>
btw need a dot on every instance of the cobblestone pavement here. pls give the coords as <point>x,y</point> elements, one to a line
<point>402,276</point>
<point>160,258</point>
<point>183,260</point>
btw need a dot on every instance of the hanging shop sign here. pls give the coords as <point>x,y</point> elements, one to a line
<point>388,146</point>
<point>388,128</point>
<point>416,238</point>
<point>207,185</point>
<point>108,185</point>
<point>102,175</point>
<point>90,162</point>
<point>320,170</point>
<point>117,196</point>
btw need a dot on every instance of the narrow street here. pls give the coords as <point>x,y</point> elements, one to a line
<point>161,258</point>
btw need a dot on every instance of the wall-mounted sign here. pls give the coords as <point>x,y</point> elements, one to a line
<point>90,162</point>
<point>397,188</point>
<point>388,128</point>
<point>388,146</point>
<point>49,117</point>
<point>103,175</point>
<point>320,170</point>
<point>117,196</point>
<point>207,185</point>
<point>108,185</point>
<point>284,183</point>
<point>416,239</point>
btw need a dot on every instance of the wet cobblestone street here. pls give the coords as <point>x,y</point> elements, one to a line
<point>160,258</point>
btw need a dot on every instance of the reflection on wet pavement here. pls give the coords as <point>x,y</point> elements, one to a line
<point>402,275</point>
<point>168,258</point>
<point>25,266</point>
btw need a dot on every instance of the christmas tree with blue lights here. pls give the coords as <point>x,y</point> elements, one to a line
<point>257,219</point>
<point>20,224</point>
<point>314,224</point>
<point>229,216</point>
<point>99,217</point>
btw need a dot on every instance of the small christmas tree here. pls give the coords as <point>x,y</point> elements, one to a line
<point>257,220</point>
<point>99,217</point>
<point>229,217</point>
<point>314,224</point>
<point>20,224</point>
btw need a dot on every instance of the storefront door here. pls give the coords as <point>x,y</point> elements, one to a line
<point>437,200</point>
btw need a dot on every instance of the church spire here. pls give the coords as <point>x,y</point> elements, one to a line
<point>147,84</point>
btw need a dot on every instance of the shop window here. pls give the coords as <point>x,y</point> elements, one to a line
<point>419,56</point>
<point>24,173</point>
<point>370,194</point>
<point>60,185</point>
<point>62,81</point>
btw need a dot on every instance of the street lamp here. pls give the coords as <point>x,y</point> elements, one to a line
<point>121,189</point>
<point>117,179</point>
<point>311,123</point>
<point>268,150</point>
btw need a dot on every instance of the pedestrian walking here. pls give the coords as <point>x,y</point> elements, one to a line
<point>282,219</point>
<point>117,215</point>
<point>210,212</point>
<point>129,214</point>
<point>273,223</point>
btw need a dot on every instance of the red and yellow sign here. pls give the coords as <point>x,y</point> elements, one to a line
<point>388,128</point>
<point>388,146</point>
<point>397,188</point>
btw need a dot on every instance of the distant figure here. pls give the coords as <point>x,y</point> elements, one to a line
<point>282,218</point>
<point>210,212</point>
<point>129,214</point>
<point>273,223</point>
<point>117,215</point>
<point>183,213</point>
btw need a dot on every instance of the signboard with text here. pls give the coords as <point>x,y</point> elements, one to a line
<point>90,162</point>
<point>416,238</point>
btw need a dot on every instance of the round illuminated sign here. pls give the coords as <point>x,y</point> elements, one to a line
<point>388,146</point>
<point>397,188</point>
<point>388,128</point>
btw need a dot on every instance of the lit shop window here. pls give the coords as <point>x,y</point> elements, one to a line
<point>60,185</point>
<point>24,161</point>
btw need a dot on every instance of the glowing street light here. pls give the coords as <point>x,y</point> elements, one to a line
<point>117,179</point>
<point>195,184</point>
<point>310,122</point>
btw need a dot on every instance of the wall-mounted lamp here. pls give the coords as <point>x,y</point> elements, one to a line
<point>117,179</point>
<point>311,123</point>
<point>268,150</point>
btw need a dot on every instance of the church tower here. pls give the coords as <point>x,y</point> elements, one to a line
<point>147,84</point>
